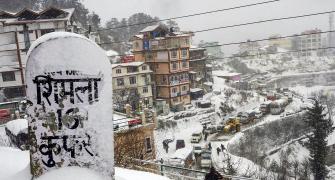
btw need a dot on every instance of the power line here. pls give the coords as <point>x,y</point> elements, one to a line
<point>258,40</point>
<point>242,42</point>
<point>190,15</point>
<point>269,53</point>
<point>264,21</point>
<point>229,26</point>
<point>245,24</point>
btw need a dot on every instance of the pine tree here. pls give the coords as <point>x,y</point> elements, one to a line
<point>321,127</point>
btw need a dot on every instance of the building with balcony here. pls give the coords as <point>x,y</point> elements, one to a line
<point>167,54</point>
<point>17,32</point>
<point>132,85</point>
<point>200,70</point>
<point>310,43</point>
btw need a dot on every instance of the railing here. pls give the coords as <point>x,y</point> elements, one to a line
<point>184,92</point>
<point>175,94</point>
<point>179,173</point>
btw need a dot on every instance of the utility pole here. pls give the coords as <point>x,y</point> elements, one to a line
<point>18,52</point>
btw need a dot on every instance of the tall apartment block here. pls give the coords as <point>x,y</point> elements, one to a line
<point>167,54</point>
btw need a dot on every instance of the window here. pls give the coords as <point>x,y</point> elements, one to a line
<point>148,144</point>
<point>187,41</point>
<point>174,65</point>
<point>184,64</point>
<point>120,81</point>
<point>8,76</point>
<point>146,101</point>
<point>132,80</point>
<point>132,69</point>
<point>184,88</point>
<point>174,90</point>
<point>118,71</point>
<point>137,45</point>
<point>145,89</point>
<point>144,67</point>
<point>184,53</point>
<point>174,54</point>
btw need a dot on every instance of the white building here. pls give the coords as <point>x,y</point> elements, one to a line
<point>17,32</point>
<point>132,85</point>
<point>310,43</point>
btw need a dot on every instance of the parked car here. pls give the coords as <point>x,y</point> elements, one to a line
<point>211,130</point>
<point>196,137</point>
<point>206,159</point>
<point>220,128</point>
<point>258,114</point>
<point>197,148</point>
<point>244,118</point>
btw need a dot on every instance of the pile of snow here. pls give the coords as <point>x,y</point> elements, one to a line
<point>126,174</point>
<point>17,126</point>
<point>12,162</point>
<point>14,165</point>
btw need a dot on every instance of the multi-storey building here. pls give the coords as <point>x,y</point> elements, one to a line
<point>132,85</point>
<point>17,32</point>
<point>278,41</point>
<point>213,49</point>
<point>249,48</point>
<point>167,53</point>
<point>200,70</point>
<point>310,43</point>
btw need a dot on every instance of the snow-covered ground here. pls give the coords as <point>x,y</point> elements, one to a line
<point>14,165</point>
<point>290,65</point>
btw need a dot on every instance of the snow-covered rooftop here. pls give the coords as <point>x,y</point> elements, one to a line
<point>225,73</point>
<point>192,90</point>
<point>128,64</point>
<point>150,28</point>
<point>17,126</point>
<point>7,69</point>
<point>111,53</point>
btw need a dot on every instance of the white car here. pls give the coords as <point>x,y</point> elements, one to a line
<point>197,149</point>
<point>196,137</point>
<point>206,159</point>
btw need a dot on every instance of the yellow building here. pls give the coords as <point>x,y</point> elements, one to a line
<point>132,85</point>
<point>167,54</point>
<point>276,40</point>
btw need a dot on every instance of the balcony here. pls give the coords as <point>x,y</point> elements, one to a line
<point>184,92</point>
<point>184,80</point>
<point>173,83</point>
<point>175,94</point>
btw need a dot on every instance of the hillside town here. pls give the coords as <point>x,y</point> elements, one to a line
<point>148,98</point>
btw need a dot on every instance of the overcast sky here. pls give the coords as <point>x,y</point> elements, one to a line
<point>170,8</point>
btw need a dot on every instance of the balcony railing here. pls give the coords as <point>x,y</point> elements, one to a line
<point>175,94</point>
<point>184,92</point>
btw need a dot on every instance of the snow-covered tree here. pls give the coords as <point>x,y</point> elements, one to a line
<point>321,126</point>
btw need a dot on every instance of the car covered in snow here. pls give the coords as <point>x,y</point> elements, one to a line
<point>211,129</point>
<point>206,159</point>
<point>258,114</point>
<point>197,148</point>
<point>196,137</point>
